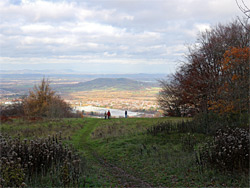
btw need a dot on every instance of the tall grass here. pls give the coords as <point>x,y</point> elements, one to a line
<point>39,162</point>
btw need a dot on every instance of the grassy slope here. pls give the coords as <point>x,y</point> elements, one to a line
<point>119,153</point>
<point>28,129</point>
<point>157,160</point>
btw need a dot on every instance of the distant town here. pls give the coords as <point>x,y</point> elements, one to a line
<point>110,93</point>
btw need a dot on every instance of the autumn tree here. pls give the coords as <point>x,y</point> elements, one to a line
<point>234,90</point>
<point>199,78</point>
<point>44,102</point>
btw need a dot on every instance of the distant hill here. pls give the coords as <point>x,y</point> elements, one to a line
<point>14,82</point>
<point>107,83</point>
<point>71,74</point>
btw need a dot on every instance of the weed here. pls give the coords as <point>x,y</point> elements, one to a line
<point>228,151</point>
<point>188,142</point>
<point>30,161</point>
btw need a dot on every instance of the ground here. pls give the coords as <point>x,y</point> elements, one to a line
<point>120,153</point>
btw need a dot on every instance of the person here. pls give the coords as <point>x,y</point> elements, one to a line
<point>105,115</point>
<point>126,114</point>
<point>109,114</point>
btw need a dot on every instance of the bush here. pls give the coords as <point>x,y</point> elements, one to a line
<point>12,173</point>
<point>42,101</point>
<point>32,161</point>
<point>228,151</point>
<point>16,109</point>
<point>209,123</point>
<point>176,127</point>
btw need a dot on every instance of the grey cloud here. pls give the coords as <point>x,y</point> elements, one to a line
<point>140,32</point>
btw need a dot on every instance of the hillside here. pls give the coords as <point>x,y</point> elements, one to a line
<point>21,83</point>
<point>120,152</point>
<point>110,83</point>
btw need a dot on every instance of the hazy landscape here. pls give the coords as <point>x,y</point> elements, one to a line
<point>135,92</point>
<point>124,93</point>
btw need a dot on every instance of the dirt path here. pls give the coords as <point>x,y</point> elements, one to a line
<point>121,177</point>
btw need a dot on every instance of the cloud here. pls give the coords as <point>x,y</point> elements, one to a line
<point>132,32</point>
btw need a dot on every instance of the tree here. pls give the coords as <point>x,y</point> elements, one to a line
<point>168,98</point>
<point>44,102</point>
<point>245,10</point>
<point>197,81</point>
<point>234,90</point>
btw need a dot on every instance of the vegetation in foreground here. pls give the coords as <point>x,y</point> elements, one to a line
<point>140,152</point>
<point>33,154</point>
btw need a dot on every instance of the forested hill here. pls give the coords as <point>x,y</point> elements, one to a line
<point>116,83</point>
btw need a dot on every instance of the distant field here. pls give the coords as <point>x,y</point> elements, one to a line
<point>132,100</point>
<point>134,92</point>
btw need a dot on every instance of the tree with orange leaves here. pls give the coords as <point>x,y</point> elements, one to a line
<point>234,90</point>
<point>42,101</point>
<point>214,77</point>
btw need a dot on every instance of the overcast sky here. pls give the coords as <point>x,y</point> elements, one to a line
<point>105,36</point>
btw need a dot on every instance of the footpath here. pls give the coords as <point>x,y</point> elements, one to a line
<point>103,171</point>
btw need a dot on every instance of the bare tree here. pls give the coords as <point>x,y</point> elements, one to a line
<point>168,97</point>
<point>244,8</point>
<point>246,11</point>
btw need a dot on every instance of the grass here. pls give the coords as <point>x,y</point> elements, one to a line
<point>159,160</point>
<point>29,130</point>
<point>119,152</point>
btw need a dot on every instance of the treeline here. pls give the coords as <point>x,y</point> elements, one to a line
<point>42,101</point>
<point>215,76</point>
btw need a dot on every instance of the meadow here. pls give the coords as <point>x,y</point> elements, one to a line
<point>133,152</point>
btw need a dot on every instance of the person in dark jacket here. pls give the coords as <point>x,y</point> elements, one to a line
<point>126,114</point>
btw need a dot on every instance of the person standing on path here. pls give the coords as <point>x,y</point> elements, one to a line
<point>109,114</point>
<point>126,114</point>
<point>105,115</point>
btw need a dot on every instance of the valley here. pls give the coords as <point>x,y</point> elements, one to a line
<point>134,92</point>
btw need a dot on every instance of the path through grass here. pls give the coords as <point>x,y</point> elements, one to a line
<point>102,171</point>
<point>120,153</point>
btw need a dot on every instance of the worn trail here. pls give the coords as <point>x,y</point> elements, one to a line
<point>117,175</point>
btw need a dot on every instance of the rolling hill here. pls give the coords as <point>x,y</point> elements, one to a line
<point>65,84</point>
<point>111,83</point>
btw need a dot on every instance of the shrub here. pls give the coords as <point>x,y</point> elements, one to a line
<point>206,123</point>
<point>229,150</point>
<point>15,109</point>
<point>162,127</point>
<point>43,101</point>
<point>209,123</point>
<point>11,172</point>
<point>31,161</point>
<point>174,127</point>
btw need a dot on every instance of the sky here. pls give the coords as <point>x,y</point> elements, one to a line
<point>105,36</point>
